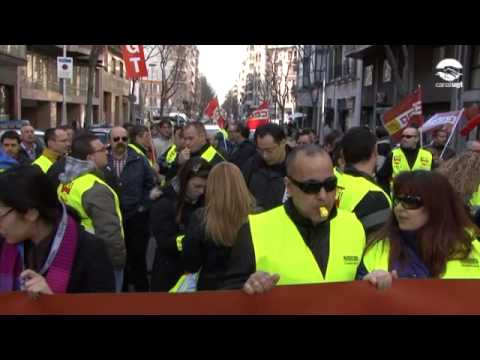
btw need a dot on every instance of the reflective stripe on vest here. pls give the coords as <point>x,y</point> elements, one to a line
<point>279,248</point>
<point>400,162</point>
<point>210,153</point>
<point>141,153</point>
<point>43,162</point>
<point>352,189</point>
<point>377,258</point>
<point>71,194</point>
<point>171,154</point>
<point>179,240</point>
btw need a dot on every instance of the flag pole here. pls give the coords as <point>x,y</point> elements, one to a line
<point>452,133</point>
<point>421,131</point>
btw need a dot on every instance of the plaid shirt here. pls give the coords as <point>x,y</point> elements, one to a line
<point>119,164</point>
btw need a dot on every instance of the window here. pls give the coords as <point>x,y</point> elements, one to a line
<point>121,69</point>
<point>368,76</point>
<point>114,64</point>
<point>387,71</point>
<point>475,68</point>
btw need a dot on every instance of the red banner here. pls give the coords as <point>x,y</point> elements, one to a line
<point>259,117</point>
<point>134,58</point>
<point>405,297</point>
<point>407,112</point>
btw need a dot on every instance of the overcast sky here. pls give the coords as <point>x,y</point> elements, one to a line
<point>221,65</point>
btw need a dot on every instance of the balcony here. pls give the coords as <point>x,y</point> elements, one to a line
<point>14,54</point>
<point>357,51</point>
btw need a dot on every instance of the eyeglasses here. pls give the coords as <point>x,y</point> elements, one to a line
<point>408,136</point>
<point>408,202</point>
<point>123,138</point>
<point>103,149</point>
<point>314,187</point>
<point>6,213</point>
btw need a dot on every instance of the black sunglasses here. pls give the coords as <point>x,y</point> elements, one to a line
<point>117,139</point>
<point>408,136</point>
<point>408,202</point>
<point>314,187</point>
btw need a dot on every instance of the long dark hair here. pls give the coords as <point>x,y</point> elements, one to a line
<point>449,231</point>
<point>27,187</point>
<point>195,167</point>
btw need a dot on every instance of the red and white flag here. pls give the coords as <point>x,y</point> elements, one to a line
<point>134,58</point>
<point>211,107</point>
<point>259,117</point>
<point>407,112</point>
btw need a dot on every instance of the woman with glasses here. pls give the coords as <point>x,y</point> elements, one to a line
<point>169,217</point>
<point>43,248</point>
<point>429,234</point>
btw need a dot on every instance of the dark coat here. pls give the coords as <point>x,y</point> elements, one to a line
<point>266,183</point>
<point>242,152</point>
<point>134,184</point>
<point>167,266</point>
<point>200,253</point>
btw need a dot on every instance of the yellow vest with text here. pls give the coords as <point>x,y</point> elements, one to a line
<point>43,162</point>
<point>280,248</point>
<point>377,258</point>
<point>141,153</point>
<point>171,154</point>
<point>400,162</point>
<point>71,194</point>
<point>352,189</point>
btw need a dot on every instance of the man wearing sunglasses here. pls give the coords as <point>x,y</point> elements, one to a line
<point>357,190</point>
<point>306,240</point>
<point>135,181</point>
<point>408,157</point>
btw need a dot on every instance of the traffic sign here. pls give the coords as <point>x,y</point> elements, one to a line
<point>65,67</point>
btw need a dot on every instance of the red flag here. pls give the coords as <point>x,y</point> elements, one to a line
<point>134,61</point>
<point>407,112</point>
<point>473,116</point>
<point>263,106</point>
<point>221,122</point>
<point>211,107</point>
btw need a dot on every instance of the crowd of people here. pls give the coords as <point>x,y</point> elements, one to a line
<point>234,211</point>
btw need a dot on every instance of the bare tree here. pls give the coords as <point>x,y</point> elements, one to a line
<point>172,60</point>
<point>400,81</point>
<point>280,75</point>
<point>230,105</point>
<point>95,52</point>
<point>205,94</point>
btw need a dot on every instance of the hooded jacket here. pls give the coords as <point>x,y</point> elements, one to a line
<point>99,203</point>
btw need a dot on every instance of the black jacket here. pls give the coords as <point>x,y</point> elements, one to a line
<point>167,266</point>
<point>374,209</point>
<point>242,262</point>
<point>201,253</point>
<point>242,152</point>
<point>24,156</point>
<point>91,271</point>
<point>134,184</point>
<point>266,183</point>
<point>218,158</point>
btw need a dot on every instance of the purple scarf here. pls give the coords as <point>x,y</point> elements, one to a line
<point>58,275</point>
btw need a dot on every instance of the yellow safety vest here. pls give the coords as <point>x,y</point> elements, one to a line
<point>352,189</point>
<point>182,282</point>
<point>71,194</point>
<point>377,258</point>
<point>141,153</point>
<point>475,200</point>
<point>279,248</point>
<point>225,133</point>
<point>171,154</point>
<point>43,162</point>
<point>400,162</point>
<point>209,154</point>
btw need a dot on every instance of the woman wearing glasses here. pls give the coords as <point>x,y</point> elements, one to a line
<point>429,234</point>
<point>43,249</point>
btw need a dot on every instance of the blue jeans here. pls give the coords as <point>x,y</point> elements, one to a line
<point>118,280</point>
